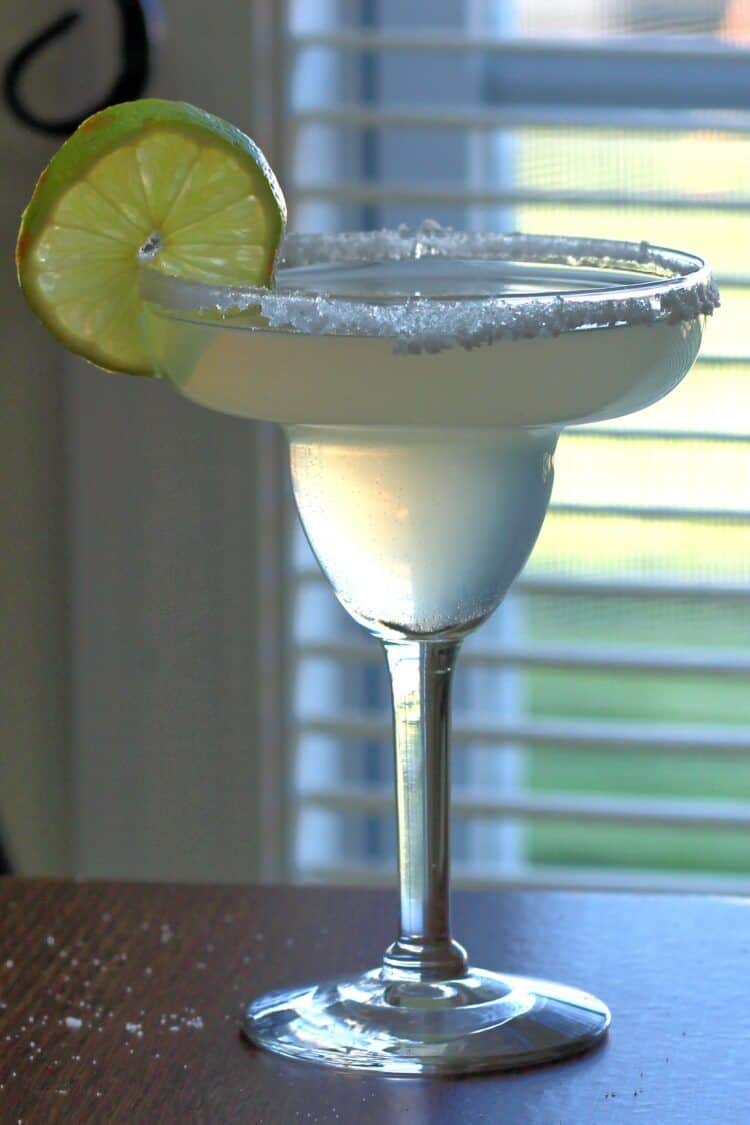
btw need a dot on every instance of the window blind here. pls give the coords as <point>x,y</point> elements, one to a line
<point>602,716</point>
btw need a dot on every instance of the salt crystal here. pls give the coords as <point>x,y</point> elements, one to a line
<point>73,1022</point>
<point>135,1029</point>
<point>9,964</point>
<point>677,288</point>
<point>50,939</point>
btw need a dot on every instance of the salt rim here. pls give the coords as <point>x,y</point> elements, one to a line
<point>676,287</point>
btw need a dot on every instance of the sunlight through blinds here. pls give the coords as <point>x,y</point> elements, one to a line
<point>602,726</point>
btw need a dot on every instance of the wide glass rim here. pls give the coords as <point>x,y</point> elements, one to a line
<point>670,285</point>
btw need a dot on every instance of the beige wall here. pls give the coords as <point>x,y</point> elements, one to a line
<point>136,546</point>
<point>34,780</point>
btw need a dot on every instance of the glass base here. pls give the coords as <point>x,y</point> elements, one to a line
<point>480,1021</point>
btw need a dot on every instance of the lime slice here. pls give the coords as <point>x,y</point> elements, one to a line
<point>154,182</point>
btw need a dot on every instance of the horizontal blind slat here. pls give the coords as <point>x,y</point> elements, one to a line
<point>571,586</point>
<point>564,734</point>
<point>635,880</point>
<point>639,512</point>
<point>695,50</point>
<point>668,662</point>
<point>615,433</point>
<point>672,813</point>
<point>708,358</point>
<point>653,512</point>
<point>531,116</point>
<point>354,192</point>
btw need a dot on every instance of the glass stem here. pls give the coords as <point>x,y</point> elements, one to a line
<point>421,675</point>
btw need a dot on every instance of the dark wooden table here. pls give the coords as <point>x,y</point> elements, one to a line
<point>121,1003</point>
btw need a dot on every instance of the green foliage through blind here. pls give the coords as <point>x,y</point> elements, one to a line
<point>656,502</point>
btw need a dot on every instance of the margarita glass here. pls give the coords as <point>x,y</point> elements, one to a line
<point>423,379</point>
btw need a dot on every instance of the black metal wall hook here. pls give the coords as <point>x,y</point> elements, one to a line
<point>137,32</point>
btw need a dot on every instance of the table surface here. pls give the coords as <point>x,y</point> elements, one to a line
<point>121,1003</point>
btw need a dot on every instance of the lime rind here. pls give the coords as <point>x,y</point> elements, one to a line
<point>189,185</point>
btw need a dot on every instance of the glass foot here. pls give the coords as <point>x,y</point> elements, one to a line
<point>480,1021</point>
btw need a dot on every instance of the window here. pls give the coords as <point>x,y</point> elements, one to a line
<point>602,716</point>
